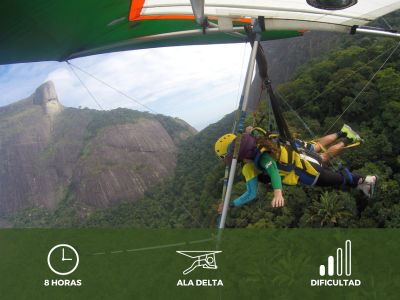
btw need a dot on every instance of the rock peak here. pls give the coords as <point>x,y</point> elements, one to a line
<point>45,93</point>
<point>46,96</point>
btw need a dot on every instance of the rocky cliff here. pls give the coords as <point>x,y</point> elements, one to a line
<point>284,56</point>
<point>52,157</point>
<point>49,153</point>
<point>122,162</point>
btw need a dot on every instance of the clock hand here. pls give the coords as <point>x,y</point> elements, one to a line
<point>63,258</point>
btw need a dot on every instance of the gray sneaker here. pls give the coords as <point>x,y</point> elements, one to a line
<point>367,185</point>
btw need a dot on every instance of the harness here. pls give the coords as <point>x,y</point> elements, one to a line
<point>294,166</point>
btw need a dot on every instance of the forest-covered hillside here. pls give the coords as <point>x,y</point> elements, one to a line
<point>321,91</point>
<point>58,166</point>
<point>362,72</point>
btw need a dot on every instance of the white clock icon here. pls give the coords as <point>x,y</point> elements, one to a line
<point>60,249</point>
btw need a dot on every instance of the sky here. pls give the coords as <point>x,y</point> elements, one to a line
<point>199,84</point>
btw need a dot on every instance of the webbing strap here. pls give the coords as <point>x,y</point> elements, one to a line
<point>283,128</point>
<point>353,145</point>
<point>290,155</point>
<point>324,150</point>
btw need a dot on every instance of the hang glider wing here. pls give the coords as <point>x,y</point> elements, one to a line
<point>43,30</point>
<point>335,15</point>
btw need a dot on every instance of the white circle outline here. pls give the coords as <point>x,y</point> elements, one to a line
<point>58,246</point>
<point>210,260</point>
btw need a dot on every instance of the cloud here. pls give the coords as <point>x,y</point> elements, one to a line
<point>19,81</point>
<point>196,83</point>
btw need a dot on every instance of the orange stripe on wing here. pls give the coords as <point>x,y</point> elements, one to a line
<point>165,17</point>
<point>185,17</point>
<point>243,20</point>
<point>136,9</point>
<point>137,6</point>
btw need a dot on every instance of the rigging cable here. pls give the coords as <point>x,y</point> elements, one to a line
<point>237,114</point>
<point>241,76</point>
<point>261,60</point>
<point>312,134</point>
<point>111,87</point>
<point>295,111</point>
<point>342,80</point>
<point>387,23</point>
<point>86,88</point>
<point>362,90</point>
<point>118,130</point>
<point>235,121</point>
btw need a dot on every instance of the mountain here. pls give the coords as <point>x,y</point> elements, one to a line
<point>285,56</point>
<point>50,154</point>
<point>191,197</point>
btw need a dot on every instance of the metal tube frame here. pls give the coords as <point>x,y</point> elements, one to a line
<point>242,108</point>
<point>376,32</point>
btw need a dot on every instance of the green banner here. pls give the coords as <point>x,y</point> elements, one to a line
<point>199,264</point>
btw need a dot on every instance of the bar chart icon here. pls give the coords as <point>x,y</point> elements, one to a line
<point>343,264</point>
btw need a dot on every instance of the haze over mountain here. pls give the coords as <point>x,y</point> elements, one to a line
<point>49,153</point>
<point>191,197</point>
<point>286,55</point>
<point>79,167</point>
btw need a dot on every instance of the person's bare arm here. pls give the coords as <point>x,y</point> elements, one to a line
<point>278,200</point>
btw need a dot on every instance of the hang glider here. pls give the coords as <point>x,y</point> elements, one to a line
<point>44,30</point>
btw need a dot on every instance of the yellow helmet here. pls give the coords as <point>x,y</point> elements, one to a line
<point>221,146</point>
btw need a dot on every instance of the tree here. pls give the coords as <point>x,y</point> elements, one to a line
<point>328,211</point>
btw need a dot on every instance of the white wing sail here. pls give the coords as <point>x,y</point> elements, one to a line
<point>281,14</point>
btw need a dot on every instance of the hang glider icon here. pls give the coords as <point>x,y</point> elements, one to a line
<point>204,259</point>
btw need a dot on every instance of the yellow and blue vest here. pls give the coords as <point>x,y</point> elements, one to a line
<point>294,167</point>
